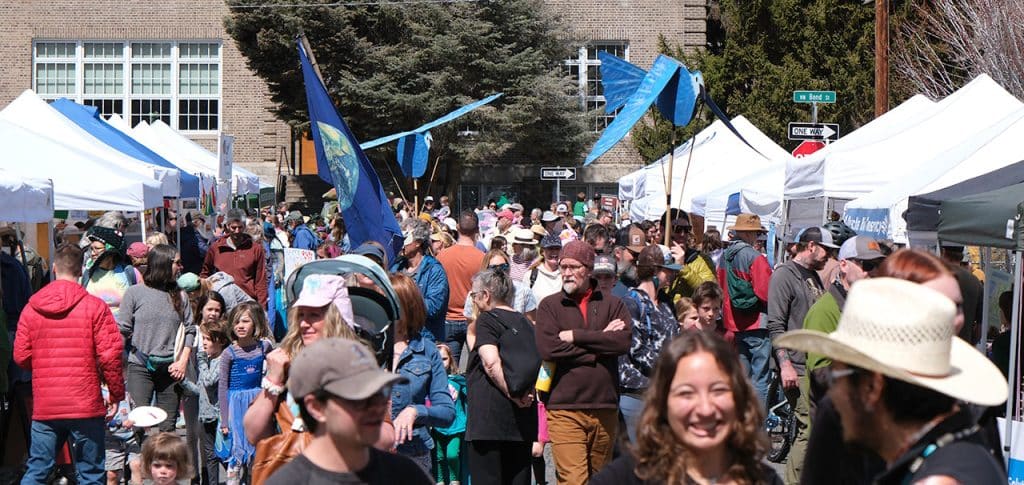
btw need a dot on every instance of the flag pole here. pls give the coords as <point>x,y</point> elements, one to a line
<point>668,189</point>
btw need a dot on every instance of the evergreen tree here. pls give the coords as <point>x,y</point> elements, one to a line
<point>391,68</point>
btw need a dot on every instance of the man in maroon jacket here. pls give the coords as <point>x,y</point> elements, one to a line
<point>69,340</point>
<point>582,331</point>
<point>238,255</point>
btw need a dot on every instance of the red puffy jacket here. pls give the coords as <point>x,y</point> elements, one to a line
<point>67,338</point>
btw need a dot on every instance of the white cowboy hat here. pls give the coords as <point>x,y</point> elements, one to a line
<point>523,236</point>
<point>905,331</point>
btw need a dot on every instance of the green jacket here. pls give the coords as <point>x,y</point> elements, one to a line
<point>823,316</point>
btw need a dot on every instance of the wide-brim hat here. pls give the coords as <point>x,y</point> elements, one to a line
<point>523,236</point>
<point>747,222</point>
<point>905,331</point>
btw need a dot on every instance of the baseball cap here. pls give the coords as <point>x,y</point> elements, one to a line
<point>293,216</point>
<point>429,198</point>
<point>342,367</point>
<point>816,234</point>
<point>506,214</point>
<point>138,250</point>
<point>319,290</point>
<point>371,251</point>
<point>636,240</point>
<point>604,263</point>
<point>562,208</point>
<point>548,216</point>
<point>188,282</point>
<point>860,247</point>
<point>516,207</point>
<point>551,241</point>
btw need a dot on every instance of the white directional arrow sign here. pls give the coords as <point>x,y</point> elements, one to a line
<point>813,131</point>
<point>558,173</point>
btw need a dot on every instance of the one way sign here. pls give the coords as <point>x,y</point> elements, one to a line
<point>558,173</point>
<point>814,131</point>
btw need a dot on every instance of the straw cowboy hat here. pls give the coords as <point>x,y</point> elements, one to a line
<point>905,331</point>
<point>747,222</point>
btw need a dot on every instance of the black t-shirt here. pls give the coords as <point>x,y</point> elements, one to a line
<point>489,414</point>
<point>383,468</point>
<point>621,471</point>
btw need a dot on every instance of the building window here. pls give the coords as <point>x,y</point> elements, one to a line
<point>175,82</point>
<point>585,71</point>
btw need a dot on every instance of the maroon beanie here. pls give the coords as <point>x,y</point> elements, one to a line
<point>580,251</point>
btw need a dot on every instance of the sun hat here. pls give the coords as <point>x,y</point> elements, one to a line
<point>863,248</point>
<point>522,235</point>
<point>342,367</point>
<point>551,241</point>
<point>580,251</point>
<point>905,331</point>
<point>747,222</point>
<point>319,290</point>
<point>138,250</point>
<point>548,216</point>
<point>538,230</point>
<point>816,234</point>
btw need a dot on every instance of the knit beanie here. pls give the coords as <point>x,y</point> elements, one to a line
<point>188,282</point>
<point>580,251</point>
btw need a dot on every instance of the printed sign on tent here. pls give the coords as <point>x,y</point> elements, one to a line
<point>225,156</point>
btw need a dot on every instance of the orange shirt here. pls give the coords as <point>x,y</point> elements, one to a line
<point>460,263</point>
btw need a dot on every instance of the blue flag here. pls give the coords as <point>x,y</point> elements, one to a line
<point>341,162</point>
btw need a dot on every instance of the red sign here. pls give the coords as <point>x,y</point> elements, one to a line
<point>807,147</point>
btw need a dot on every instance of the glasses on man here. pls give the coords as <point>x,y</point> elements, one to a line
<point>570,267</point>
<point>868,265</point>
<point>380,398</point>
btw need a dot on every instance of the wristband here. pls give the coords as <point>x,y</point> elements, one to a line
<point>271,388</point>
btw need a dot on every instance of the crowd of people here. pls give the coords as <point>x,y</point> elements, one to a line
<point>522,338</point>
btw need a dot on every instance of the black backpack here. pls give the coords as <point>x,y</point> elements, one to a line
<point>520,360</point>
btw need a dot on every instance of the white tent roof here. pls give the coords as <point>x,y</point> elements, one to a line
<point>718,158</point>
<point>759,193</point>
<point>81,180</point>
<point>916,133</point>
<point>880,213</point>
<point>242,180</point>
<point>32,113</point>
<point>145,135</point>
<point>25,199</point>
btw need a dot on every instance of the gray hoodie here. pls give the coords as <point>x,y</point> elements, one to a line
<point>224,284</point>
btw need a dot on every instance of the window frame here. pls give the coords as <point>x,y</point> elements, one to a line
<point>127,97</point>
<point>582,62</point>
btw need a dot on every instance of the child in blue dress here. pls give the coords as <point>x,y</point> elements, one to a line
<point>241,374</point>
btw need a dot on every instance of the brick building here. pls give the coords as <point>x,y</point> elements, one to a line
<point>173,61</point>
<point>168,60</point>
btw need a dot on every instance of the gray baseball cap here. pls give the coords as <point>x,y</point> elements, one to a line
<point>342,367</point>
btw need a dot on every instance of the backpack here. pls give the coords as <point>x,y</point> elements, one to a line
<point>741,291</point>
<point>533,275</point>
<point>520,360</point>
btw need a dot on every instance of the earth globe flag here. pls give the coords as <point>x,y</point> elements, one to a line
<point>341,162</point>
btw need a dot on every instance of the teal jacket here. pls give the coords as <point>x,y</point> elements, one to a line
<point>457,388</point>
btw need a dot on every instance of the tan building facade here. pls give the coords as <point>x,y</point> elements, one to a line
<point>169,60</point>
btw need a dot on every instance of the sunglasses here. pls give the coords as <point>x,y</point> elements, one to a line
<point>379,398</point>
<point>868,265</point>
<point>503,267</point>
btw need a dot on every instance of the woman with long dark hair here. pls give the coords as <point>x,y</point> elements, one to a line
<point>702,422</point>
<point>149,318</point>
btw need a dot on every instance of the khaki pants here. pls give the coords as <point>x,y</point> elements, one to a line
<point>795,459</point>
<point>581,442</point>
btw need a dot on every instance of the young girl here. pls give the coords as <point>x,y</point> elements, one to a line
<point>207,387</point>
<point>686,313</point>
<point>164,459</point>
<point>241,371</point>
<point>448,441</point>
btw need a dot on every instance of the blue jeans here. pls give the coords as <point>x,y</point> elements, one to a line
<point>86,449</point>
<point>455,337</point>
<point>755,350</point>
<point>631,408</point>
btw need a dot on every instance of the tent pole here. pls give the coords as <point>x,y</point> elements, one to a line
<point>51,237</point>
<point>1011,403</point>
<point>668,190</point>
<point>985,256</point>
<point>142,224</point>
<point>180,218</point>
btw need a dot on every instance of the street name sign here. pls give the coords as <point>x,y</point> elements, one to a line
<point>814,131</point>
<point>558,173</point>
<point>814,96</point>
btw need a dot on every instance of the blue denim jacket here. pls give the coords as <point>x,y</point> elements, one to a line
<point>433,283</point>
<point>421,364</point>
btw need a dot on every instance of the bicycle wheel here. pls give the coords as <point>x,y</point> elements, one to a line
<point>780,422</point>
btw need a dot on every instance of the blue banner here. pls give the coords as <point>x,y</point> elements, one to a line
<point>341,162</point>
<point>868,222</point>
<point>661,73</point>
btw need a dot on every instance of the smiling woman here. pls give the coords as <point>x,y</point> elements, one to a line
<point>701,421</point>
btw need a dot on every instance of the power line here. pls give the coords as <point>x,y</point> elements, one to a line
<point>379,3</point>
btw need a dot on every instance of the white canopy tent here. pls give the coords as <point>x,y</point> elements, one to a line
<point>718,157</point>
<point>32,113</point>
<point>81,180</point>
<point>242,180</point>
<point>757,193</point>
<point>145,135</point>
<point>25,199</point>
<point>850,169</point>
<point>880,213</point>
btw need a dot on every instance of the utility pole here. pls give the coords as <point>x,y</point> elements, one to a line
<point>881,57</point>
